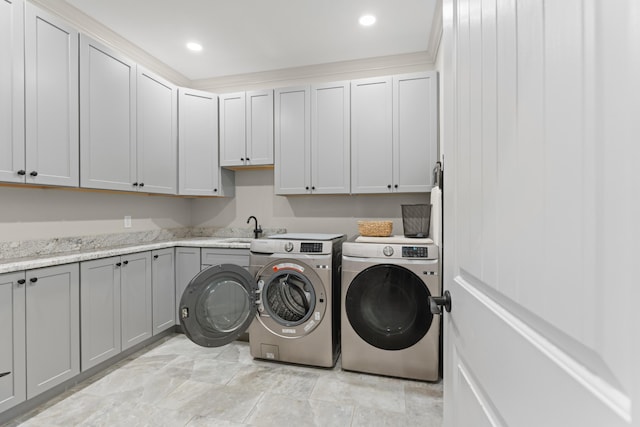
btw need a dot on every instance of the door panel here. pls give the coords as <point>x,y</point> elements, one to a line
<point>232,129</point>
<point>12,89</point>
<point>539,212</point>
<point>136,299</point>
<point>52,135</point>
<point>260,127</point>
<point>163,290</point>
<point>13,383</point>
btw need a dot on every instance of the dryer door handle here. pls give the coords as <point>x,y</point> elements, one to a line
<point>435,303</point>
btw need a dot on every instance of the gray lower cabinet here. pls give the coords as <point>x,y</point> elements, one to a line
<point>187,266</point>
<point>52,326</point>
<point>13,386</point>
<point>163,282</point>
<point>100,310</point>
<point>136,303</point>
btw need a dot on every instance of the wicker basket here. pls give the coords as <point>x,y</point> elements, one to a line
<point>375,228</point>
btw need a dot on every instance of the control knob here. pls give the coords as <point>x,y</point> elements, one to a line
<point>387,251</point>
<point>288,246</point>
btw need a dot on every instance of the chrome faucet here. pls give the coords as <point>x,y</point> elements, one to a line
<point>257,230</point>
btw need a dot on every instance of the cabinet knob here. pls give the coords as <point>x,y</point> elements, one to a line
<point>306,188</point>
<point>155,257</point>
<point>125,262</point>
<point>395,186</point>
<point>118,264</point>
<point>215,190</point>
<point>242,159</point>
<point>247,159</point>
<point>141,184</point>
<point>389,186</point>
<point>21,282</point>
<point>33,279</point>
<point>22,172</point>
<point>33,173</point>
<point>135,184</point>
<point>313,187</point>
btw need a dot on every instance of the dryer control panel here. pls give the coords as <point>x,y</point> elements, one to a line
<point>415,252</point>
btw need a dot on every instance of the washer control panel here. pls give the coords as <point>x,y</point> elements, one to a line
<point>387,251</point>
<point>311,247</point>
<point>415,252</point>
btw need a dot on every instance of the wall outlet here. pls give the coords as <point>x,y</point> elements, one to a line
<point>127,221</point>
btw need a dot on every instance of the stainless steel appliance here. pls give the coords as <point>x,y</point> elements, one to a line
<point>288,300</point>
<point>387,326</point>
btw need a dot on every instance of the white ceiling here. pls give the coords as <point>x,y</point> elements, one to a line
<point>246,36</point>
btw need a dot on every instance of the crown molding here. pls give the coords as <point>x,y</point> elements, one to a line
<point>87,25</point>
<point>343,70</point>
<point>435,36</point>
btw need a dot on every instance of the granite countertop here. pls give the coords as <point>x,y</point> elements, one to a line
<point>27,263</point>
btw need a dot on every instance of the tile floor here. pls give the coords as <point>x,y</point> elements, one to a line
<point>177,383</point>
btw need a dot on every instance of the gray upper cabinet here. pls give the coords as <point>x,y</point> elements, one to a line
<point>394,133</point>
<point>157,134</point>
<point>330,138</point>
<point>12,150</point>
<point>415,131</point>
<point>51,85</point>
<point>136,307</point>
<point>312,126</point>
<point>292,140</point>
<point>100,310</point>
<point>163,289</point>
<point>107,118</point>
<point>52,327</point>
<point>13,384</point>
<point>198,166</point>
<point>371,135</point>
<point>246,128</point>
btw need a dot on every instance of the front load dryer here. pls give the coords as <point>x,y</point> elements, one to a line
<point>289,300</point>
<point>387,326</point>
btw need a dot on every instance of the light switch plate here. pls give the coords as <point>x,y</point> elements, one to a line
<point>127,221</point>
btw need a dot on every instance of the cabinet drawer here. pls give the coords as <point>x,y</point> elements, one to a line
<point>224,256</point>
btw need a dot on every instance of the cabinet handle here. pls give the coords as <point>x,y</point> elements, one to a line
<point>21,282</point>
<point>389,186</point>
<point>215,190</point>
<point>306,188</point>
<point>242,159</point>
<point>313,187</point>
<point>33,279</point>
<point>125,262</point>
<point>247,159</point>
<point>135,184</point>
<point>118,264</point>
<point>395,186</point>
<point>22,172</point>
<point>142,184</point>
<point>33,173</point>
<point>155,257</point>
<point>4,374</point>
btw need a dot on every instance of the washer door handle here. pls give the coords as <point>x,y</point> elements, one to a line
<point>435,303</point>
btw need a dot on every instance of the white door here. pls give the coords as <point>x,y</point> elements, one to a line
<point>541,212</point>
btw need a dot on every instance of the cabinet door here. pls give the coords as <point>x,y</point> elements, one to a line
<point>198,143</point>
<point>232,129</point>
<point>157,134</point>
<point>136,299</point>
<point>107,118</point>
<point>330,138</point>
<point>259,128</point>
<point>371,136</point>
<point>12,89</point>
<point>415,131</point>
<point>53,327</point>
<point>13,384</point>
<point>187,266</point>
<point>163,289</point>
<point>99,310</point>
<point>292,141</point>
<point>51,84</point>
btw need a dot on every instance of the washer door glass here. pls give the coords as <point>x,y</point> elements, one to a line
<point>288,297</point>
<point>218,305</point>
<point>387,306</point>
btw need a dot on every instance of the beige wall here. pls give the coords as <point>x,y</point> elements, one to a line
<point>309,213</point>
<point>33,213</point>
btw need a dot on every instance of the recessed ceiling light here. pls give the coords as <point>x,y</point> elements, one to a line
<point>366,20</point>
<point>195,47</point>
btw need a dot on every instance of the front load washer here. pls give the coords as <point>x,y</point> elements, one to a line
<point>289,300</point>
<point>387,326</point>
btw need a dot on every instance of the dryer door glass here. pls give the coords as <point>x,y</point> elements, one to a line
<point>387,306</point>
<point>218,305</point>
<point>289,297</point>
